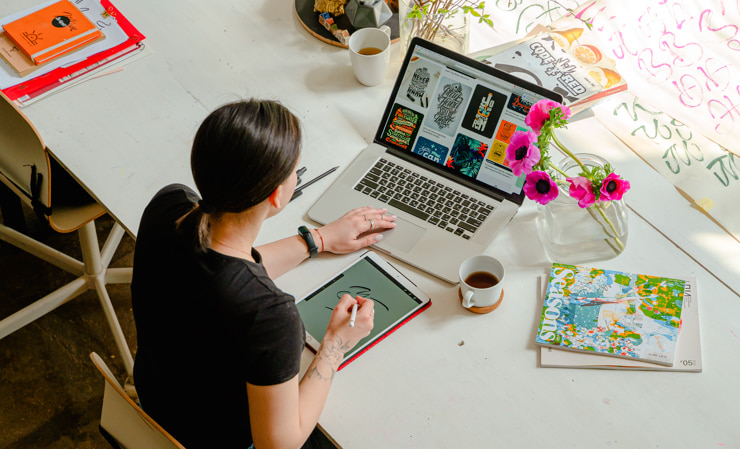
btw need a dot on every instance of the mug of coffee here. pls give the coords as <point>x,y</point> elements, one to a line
<point>481,283</point>
<point>370,53</point>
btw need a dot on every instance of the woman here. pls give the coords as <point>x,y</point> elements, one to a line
<point>219,344</point>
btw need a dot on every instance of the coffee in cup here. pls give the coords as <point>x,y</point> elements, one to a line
<point>481,283</point>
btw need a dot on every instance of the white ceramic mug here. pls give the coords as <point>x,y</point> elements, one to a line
<point>480,291</point>
<point>370,68</point>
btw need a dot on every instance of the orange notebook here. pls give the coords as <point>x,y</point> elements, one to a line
<point>52,31</point>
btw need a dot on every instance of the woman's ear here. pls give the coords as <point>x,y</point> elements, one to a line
<point>274,197</point>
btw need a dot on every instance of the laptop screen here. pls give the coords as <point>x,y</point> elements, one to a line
<point>455,116</point>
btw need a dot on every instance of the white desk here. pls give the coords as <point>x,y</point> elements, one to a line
<point>449,378</point>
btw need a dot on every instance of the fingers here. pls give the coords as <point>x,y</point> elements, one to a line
<point>365,312</point>
<point>356,229</point>
<point>375,219</point>
<point>346,302</point>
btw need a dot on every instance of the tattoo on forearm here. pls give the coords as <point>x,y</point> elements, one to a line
<point>331,354</point>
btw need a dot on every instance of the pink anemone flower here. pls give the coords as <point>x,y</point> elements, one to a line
<point>539,113</point>
<point>538,186</point>
<point>521,153</point>
<point>580,189</point>
<point>614,187</point>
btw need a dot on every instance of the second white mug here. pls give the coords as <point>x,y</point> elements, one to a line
<point>369,52</point>
<point>481,281</point>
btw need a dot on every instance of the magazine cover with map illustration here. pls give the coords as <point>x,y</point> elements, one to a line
<point>612,313</point>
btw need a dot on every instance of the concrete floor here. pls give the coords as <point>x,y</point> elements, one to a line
<point>51,394</point>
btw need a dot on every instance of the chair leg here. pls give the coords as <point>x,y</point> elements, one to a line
<point>42,251</point>
<point>96,272</point>
<point>115,326</point>
<point>42,306</point>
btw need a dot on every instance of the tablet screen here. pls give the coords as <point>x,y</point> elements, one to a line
<point>393,301</point>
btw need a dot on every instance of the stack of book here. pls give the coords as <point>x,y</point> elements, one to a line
<point>56,44</point>
<point>596,318</point>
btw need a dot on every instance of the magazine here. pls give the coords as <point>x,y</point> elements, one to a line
<point>688,348</point>
<point>612,313</point>
<point>562,57</point>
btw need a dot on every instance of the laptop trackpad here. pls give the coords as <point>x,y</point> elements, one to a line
<point>403,237</point>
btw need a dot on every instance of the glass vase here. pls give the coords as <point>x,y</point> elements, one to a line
<point>447,30</point>
<point>574,235</point>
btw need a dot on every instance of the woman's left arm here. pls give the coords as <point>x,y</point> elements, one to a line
<point>354,230</point>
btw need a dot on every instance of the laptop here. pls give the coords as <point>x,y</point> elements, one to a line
<point>437,160</point>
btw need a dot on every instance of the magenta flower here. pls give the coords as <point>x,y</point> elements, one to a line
<point>580,189</point>
<point>614,187</point>
<point>521,153</point>
<point>538,186</point>
<point>539,113</point>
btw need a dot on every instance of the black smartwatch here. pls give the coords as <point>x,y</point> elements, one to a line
<point>313,251</point>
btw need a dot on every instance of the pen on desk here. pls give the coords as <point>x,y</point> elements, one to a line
<point>299,173</point>
<point>299,190</point>
<point>353,316</point>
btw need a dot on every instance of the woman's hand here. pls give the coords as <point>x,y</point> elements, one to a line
<point>340,337</point>
<point>356,229</point>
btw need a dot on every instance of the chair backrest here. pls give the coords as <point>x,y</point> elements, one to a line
<point>21,151</point>
<point>125,424</point>
<point>27,168</point>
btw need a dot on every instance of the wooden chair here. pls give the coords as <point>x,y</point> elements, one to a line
<point>28,170</point>
<point>123,423</point>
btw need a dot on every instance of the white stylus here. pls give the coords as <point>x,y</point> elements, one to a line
<point>353,316</point>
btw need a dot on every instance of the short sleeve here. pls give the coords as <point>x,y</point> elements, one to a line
<point>277,338</point>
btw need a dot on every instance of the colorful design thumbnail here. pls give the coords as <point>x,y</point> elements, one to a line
<point>401,130</point>
<point>431,150</point>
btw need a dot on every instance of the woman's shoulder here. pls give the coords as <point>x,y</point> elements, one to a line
<point>175,193</point>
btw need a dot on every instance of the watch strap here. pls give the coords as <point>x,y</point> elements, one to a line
<point>313,251</point>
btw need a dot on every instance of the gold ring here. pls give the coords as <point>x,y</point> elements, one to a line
<point>372,223</point>
<point>365,216</point>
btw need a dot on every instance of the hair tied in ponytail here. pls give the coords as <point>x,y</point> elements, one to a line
<point>205,206</point>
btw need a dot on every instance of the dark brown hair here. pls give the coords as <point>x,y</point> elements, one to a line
<point>241,153</point>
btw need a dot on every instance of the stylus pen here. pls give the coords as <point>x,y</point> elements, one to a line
<point>299,190</point>
<point>353,316</point>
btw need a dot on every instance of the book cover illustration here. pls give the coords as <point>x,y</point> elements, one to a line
<point>612,313</point>
<point>542,61</point>
<point>52,31</point>
<point>688,349</point>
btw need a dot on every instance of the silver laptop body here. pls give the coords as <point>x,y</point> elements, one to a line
<point>442,138</point>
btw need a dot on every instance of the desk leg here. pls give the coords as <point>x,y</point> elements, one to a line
<point>12,209</point>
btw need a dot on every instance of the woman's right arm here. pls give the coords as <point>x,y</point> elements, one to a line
<point>283,415</point>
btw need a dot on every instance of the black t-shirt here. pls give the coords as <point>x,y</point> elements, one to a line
<point>206,325</point>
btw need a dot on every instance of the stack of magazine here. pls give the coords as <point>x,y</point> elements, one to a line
<point>565,57</point>
<point>121,41</point>
<point>597,318</point>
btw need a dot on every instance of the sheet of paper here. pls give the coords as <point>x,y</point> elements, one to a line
<point>94,11</point>
<point>514,19</point>
<point>699,167</point>
<point>680,55</point>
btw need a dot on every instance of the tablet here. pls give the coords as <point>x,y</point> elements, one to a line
<point>397,300</point>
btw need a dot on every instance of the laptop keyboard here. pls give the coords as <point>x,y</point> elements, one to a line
<point>424,198</point>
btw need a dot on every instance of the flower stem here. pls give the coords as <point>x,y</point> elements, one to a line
<point>614,233</point>
<point>565,150</point>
